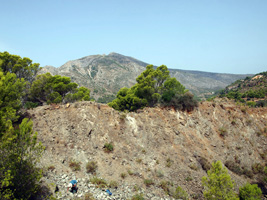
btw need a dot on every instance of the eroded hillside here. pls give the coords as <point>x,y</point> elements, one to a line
<point>154,144</point>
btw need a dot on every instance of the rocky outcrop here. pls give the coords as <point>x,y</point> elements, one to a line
<point>156,144</point>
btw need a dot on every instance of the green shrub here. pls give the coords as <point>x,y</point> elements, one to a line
<point>188,178</point>
<point>159,173</point>
<point>180,194</point>
<point>165,186</point>
<point>113,184</point>
<point>138,197</point>
<point>185,102</point>
<point>169,162</point>
<point>130,172</point>
<point>222,131</point>
<point>233,167</point>
<point>74,165</point>
<point>89,196</point>
<point>250,192</point>
<point>123,175</point>
<point>251,103</point>
<point>248,173</point>
<point>108,147</point>
<point>204,163</point>
<point>193,166</point>
<point>257,168</point>
<point>101,183</point>
<point>148,182</point>
<point>91,167</point>
<point>218,184</point>
<point>29,105</point>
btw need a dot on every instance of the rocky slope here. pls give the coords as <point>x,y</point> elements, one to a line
<point>106,74</point>
<point>152,144</point>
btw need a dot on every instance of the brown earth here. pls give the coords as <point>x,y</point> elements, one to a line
<point>153,143</point>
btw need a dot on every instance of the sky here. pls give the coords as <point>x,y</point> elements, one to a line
<point>224,36</point>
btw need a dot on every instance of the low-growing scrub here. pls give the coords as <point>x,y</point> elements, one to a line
<point>249,192</point>
<point>231,165</point>
<point>180,194</point>
<point>257,168</point>
<point>123,175</point>
<point>101,183</point>
<point>148,182</point>
<point>222,131</point>
<point>130,172</point>
<point>169,162</point>
<point>113,184</point>
<point>91,167</point>
<point>138,197</point>
<point>165,186</point>
<point>205,164</point>
<point>89,196</point>
<point>74,165</point>
<point>108,147</point>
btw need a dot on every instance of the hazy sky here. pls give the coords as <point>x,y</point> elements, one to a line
<point>227,36</point>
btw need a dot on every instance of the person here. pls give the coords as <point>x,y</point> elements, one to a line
<point>73,186</point>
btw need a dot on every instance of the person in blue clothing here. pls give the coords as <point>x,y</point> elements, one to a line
<point>73,186</point>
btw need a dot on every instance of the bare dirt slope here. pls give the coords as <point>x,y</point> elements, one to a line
<point>154,143</point>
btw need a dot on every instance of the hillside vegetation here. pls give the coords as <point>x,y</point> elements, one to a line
<point>167,147</point>
<point>251,90</point>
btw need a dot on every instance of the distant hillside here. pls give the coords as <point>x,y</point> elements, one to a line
<point>106,74</point>
<point>252,90</point>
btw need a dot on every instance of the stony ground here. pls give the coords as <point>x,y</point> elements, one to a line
<point>152,144</point>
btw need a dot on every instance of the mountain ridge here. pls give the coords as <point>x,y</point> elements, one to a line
<point>104,75</point>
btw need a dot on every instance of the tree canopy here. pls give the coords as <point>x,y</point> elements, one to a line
<point>56,89</point>
<point>154,86</point>
<point>218,184</point>
<point>22,67</point>
<point>11,92</point>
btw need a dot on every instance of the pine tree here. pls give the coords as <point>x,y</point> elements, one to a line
<point>218,185</point>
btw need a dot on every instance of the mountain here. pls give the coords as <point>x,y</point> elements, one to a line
<point>104,75</point>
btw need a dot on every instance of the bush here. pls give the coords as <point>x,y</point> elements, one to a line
<point>222,131</point>
<point>165,186</point>
<point>138,197</point>
<point>123,175</point>
<point>204,163</point>
<point>101,183</point>
<point>257,168</point>
<point>233,167</point>
<point>89,196</point>
<point>251,103</point>
<point>250,192</point>
<point>74,165</point>
<point>29,105</point>
<point>159,173</point>
<point>148,182</point>
<point>139,160</point>
<point>113,184</point>
<point>218,184</point>
<point>130,172</point>
<point>180,194</point>
<point>108,147</point>
<point>184,102</point>
<point>169,162</point>
<point>91,167</point>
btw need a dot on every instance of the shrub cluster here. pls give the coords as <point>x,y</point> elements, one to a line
<point>108,147</point>
<point>91,167</point>
<point>154,87</point>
